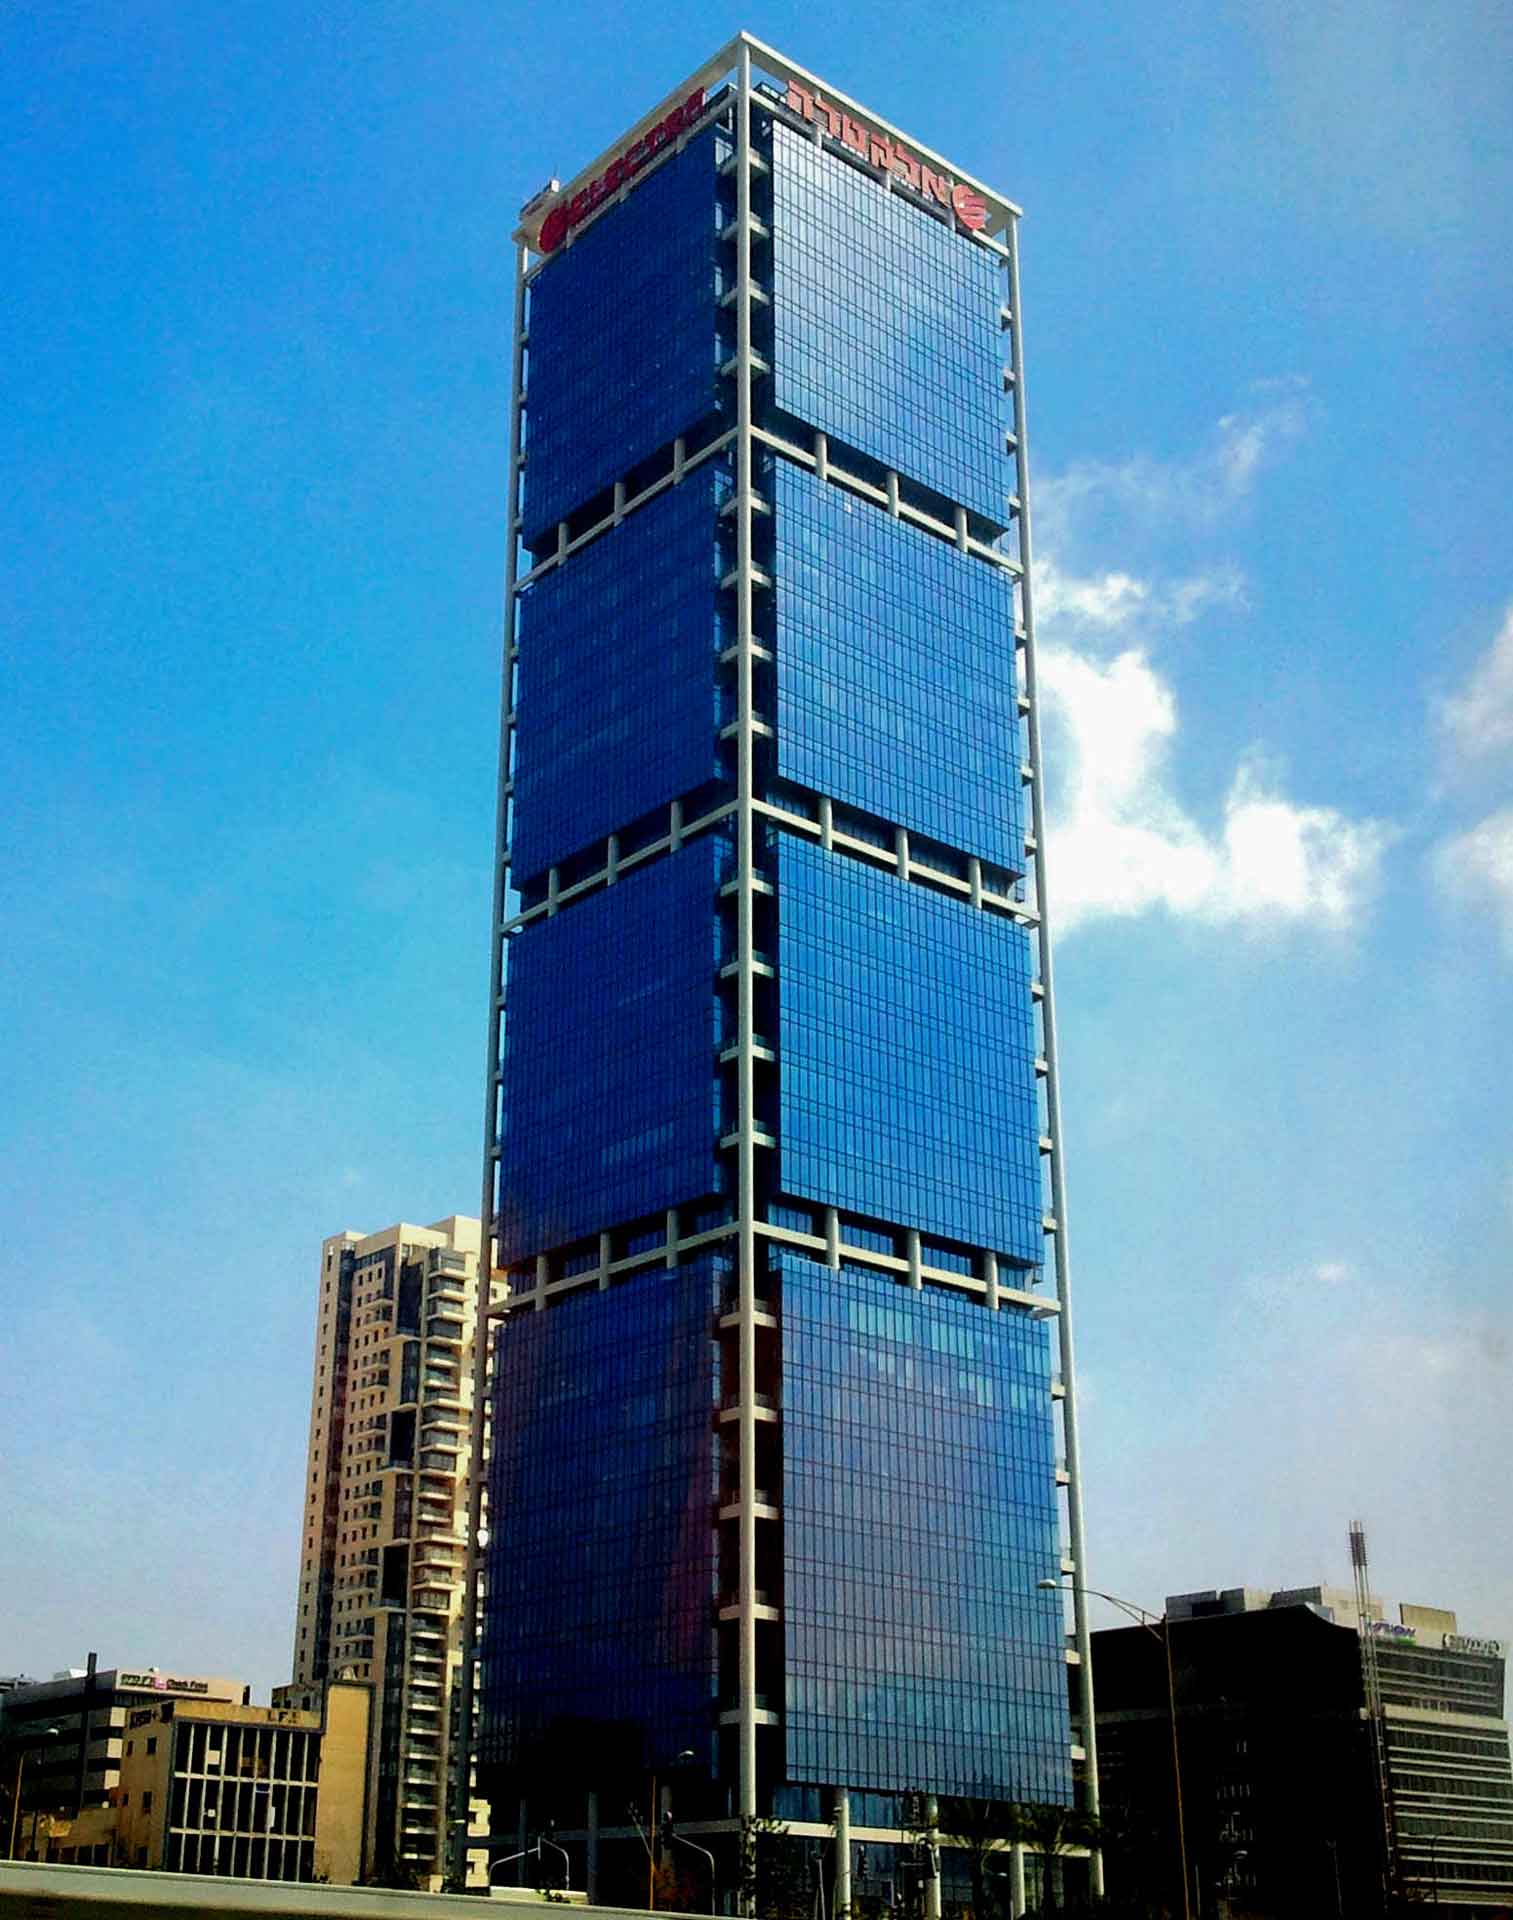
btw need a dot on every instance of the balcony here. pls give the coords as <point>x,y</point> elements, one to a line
<point>440,1553</point>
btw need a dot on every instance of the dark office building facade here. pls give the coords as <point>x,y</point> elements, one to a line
<point>1287,1808</point>
<point>783,1444</point>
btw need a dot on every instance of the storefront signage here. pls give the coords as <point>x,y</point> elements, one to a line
<point>1387,1630</point>
<point>162,1683</point>
<point>567,214</point>
<point>890,156</point>
<point>1466,1643</point>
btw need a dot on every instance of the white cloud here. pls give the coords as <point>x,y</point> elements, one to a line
<point>1122,844</point>
<point>1122,841</point>
<point>1198,492</point>
<point>1096,605</point>
<point>1479,719</point>
<point>1477,867</point>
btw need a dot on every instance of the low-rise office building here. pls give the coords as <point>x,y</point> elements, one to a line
<point>254,1793</point>
<point>65,1736</point>
<point>1284,1808</point>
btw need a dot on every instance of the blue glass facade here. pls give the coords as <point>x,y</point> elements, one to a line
<point>623,348</point>
<point>604,1469</point>
<point>908,1084</point>
<point>919,1515</point>
<point>611,1097</point>
<point>895,671</point>
<point>886,328</point>
<point>905,1449</point>
<point>617,694</point>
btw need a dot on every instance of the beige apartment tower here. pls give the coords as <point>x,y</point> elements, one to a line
<point>386,1499</point>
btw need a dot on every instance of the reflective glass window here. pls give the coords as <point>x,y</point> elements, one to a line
<point>622,353</point>
<point>919,1516</point>
<point>907,1055</point>
<point>615,696</point>
<point>886,327</point>
<point>895,671</point>
<point>611,1096</point>
<point>602,1563</point>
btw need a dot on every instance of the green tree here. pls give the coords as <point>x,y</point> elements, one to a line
<point>1054,1832</point>
<point>982,1829</point>
<point>775,1881</point>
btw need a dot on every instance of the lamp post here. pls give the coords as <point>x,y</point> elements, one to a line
<point>534,1852</point>
<point>1159,1627</point>
<point>47,1733</point>
<point>670,1836</point>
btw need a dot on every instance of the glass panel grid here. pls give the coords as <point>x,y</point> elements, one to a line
<point>886,327</point>
<point>895,671</point>
<point>611,1091</point>
<point>907,1055</point>
<point>602,1559</point>
<point>617,705</point>
<point>622,354</point>
<point>919,1515</point>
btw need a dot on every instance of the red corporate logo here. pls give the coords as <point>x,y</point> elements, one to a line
<point>970,208</point>
<point>567,214</point>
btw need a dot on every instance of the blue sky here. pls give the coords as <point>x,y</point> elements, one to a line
<point>256,333</point>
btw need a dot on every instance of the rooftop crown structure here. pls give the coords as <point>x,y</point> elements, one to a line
<point>782,1400</point>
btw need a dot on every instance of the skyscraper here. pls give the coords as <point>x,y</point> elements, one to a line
<point>386,1499</point>
<point>783,1423</point>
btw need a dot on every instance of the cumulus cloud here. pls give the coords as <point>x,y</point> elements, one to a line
<point>1196,493</point>
<point>1479,719</point>
<point>1477,867</point>
<point>1122,844</point>
<point>1103,604</point>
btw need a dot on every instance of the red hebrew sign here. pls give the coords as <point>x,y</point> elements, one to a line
<point>566,215</point>
<point>891,156</point>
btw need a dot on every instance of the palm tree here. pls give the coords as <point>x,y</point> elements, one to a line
<point>1053,1832</point>
<point>981,1828</point>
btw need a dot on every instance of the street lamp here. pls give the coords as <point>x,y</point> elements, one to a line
<point>669,1835</point>
<point>47,1733</point>
<point>534,1851</point>
<point>1159,1627</point>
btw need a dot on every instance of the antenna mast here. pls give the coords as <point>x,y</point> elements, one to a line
<point>1371,1677</point>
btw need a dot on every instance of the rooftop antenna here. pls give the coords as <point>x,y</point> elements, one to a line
<point>1372,1681</point>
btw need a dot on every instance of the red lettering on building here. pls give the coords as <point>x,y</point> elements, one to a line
<point>567,214</point>
<point>890,156</point>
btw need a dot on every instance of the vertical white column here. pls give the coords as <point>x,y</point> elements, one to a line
<point>1017,1901</point>
<point>842,1893</point>
<point>932,1845</point>
<point>746,976</point>
<point>482,1321</point>
<point>1060,1239</point>
<point>591,1850</point>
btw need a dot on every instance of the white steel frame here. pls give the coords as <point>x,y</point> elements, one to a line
<point>1001,236</point>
